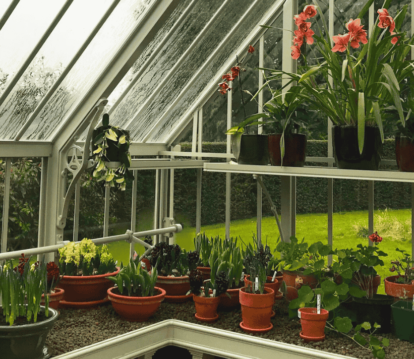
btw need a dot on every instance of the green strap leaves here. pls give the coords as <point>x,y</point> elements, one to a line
<point>361,121</point>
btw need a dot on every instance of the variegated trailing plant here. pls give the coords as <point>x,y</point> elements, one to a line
<point>21,292</point>
<point>111,144</point>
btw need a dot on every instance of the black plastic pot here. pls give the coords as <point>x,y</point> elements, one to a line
<point>403,320</point>
<point>295,150</point>
<point>346,150</point>
<point>404,153</point>
<point>27,341</point>
<point>250,149</point>
<point>375,310</point>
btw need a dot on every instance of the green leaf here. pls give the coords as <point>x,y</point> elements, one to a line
<point>361,121</point>
<point>365,9</point>
<point>330,302</point>
<point>385,342</point>
<point>309,73</point>
<point>325,250</point>
<point>374,341</point>
<point>357,292</point>
<point>379,353</point>
<point>344,67</point>
<point>305,294</point>
<point>328,286</point>
<point>343,325</point>
<point>342,289</point>
<point>341,254</point>
<point>360,339</point>
<point>366,325</point>
<point>390,75</point>
<point>314,248</point>
<point>378,119</point>
<point>319,264</point>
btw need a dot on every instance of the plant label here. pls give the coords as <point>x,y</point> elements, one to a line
<point>274,276</point>
<point>299,314</point>
<point>256,284</point>
<point>143,265</point>
<point>242,276</point>
<point>214,292</point>
<point>318,300</point>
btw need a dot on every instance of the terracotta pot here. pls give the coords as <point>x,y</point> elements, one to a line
<point>54,298</point>
<point>86,288</point>
<point>396,290</point>
<point>226,302</point>
<point>205,271</point>
<point>136,309</point>
<point>206,308</point>
<point>147,263</point>
<point>404,152</point>
<point>272,285</point>
<point>174,285</point>
<point>290,279</point>
<point>370,290</point>
<point>256,310</point>
<point>313,324</point>
<point>295,150</point>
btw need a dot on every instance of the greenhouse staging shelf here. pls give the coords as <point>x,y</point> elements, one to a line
<point>311,171</point>
<point>101,333</point>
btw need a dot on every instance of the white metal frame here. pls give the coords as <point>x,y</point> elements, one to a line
<point>8,13</point>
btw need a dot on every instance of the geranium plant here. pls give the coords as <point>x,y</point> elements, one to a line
<point>404,268</point>
<point>365,78</point>
<point>85,259</point>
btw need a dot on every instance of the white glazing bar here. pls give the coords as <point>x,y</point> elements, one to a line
<point>228,150</point>
<point>76,212</point>
<point>106,210</point>
<point>8,12</point>
<point>199,171</point>
<point>34,52</point>
<point>154,54</point>
<point>57,83</point>
<point>171,202</point>
<point>200,131</point>
<point>260,131</point>
<point>156,203</point>
<point>6,203</point>
<point>162,197</point>
<point>194,139</point>
<point>370,209</point>
<point>42,205</point>
<point>330,145</point>
<point>133,210</point>
<point>176,66</point>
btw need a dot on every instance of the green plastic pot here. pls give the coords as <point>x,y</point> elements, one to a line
<point>27,341</point>
<point>403,319</point>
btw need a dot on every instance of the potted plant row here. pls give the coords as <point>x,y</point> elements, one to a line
<point>24,322</point>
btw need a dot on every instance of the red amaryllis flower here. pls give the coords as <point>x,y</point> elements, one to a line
<point>304,26</point>
<point>357,33</point>
<point>22,262</point>
<point>226,77</point>
<point>385,20</point>
<point>52,271</point>
<point>295,52</point>
<point>223,92</point>
<point>375,238</point>
<point>395,39</point>
<point>299,19</point>
<point>310,11</point>
<point>224,85</point>
<point>251,49</point>
<point>299,35</point>
<point>235,70</point>
<point>298,40</point>
<point>341,42</point>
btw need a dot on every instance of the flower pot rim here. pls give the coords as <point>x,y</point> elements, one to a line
<point>309,313</point>
<point>389,280</point>
<point>136,299</point>
<point>267,278</point>
<point>30,326</point>
<point>172,277</point>
<point>91,276</point>
<point>58,291</point>
<point>267,290</point>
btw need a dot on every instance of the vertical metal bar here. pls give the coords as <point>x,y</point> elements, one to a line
<point>200,131</point>
<point>8,12</point>
<point>156,204</point>
<point>162,202</point>
<point>133,211</point>
<point>412,219</point>
<point>74,60</point>
<point>195,126</point>
<point>42,205</point>
<point>330,145</point>
<point>34,52</point>
<point>171,209</point>
<point>260,131</point>
<point>6,203</point>
<point>228,149</point>
<point>370,209</point>
<point>412,26</point>
<point>76,212</point>
<point>106,210</point>
<point>293,208</point>
<point>286,204</point>
<point>199,171</point>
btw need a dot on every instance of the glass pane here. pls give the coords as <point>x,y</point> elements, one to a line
<point>215,119</point>
<point>4,5</point>
<point>111,37</point>
<point>209,43</point>
<point>18,40</point>
<point>50,62</point>
<point>176,45</point>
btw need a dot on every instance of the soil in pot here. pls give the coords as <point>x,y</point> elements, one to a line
<point>250,149</point>
<point>346,150</point>
<point>398,290</point>
<point>403,320</point>
<point>206,308</point>
<point>404,153</point>
<point>295,150</point>
<point>313,324</point>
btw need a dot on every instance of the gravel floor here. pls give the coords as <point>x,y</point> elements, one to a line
<point>77,328</point>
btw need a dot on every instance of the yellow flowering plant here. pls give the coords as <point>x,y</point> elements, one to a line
<point>85,258</point>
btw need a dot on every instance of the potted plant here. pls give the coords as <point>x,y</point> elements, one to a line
<point>402,284</point>
<point>364,80</point>
<point>256,302</point>
<point>112,157</point>
<point>203,247</point>
<point>247,148</point>
<point>404,142</point>
<point>403,318</point>
<point>172,265</point>
<point>135,296</point>
<point>24,323</point>
<point>85,268</point>
<point>53,278</point>
<point>207,298</point>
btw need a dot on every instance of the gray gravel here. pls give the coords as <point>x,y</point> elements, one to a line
<point>77,328</point>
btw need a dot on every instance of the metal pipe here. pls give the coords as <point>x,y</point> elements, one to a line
<point>76,212</point>
<point>228,150</point>
<point>42,205</point>
<point>32,251</point>
<point>137,240</point>
<point>175,228</point>
<point>109,239</point>
<point>194,139</point>
<point>106,210</point>
<point>74,60</point>
<point>34,52</point>
<point>156,203</point>
<point>259,205</point>
<point>6,203</point>
<point>133,211</point>
<point>8,12</point>
<point>371,194</point>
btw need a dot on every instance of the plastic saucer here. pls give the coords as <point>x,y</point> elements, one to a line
<point>206,320</point>
<point>178,298</point>
<point>311,339</point>
<point>82,305</point>
<point>250,330</point>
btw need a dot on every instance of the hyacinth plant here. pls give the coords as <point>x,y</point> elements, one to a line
<point>85,259</point>
<point>365,79</point>
<point>21,289</point>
